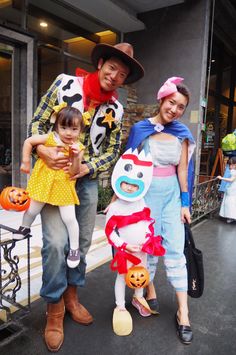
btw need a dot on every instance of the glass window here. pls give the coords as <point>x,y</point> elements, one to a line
<point>212,83</point>
<point>226,74</point>
<point>10,12</point>
<point>83,47</point>
<point>223,120</point>
<point>50,64</point>
<point>208,135</point>
<point>234,118</point>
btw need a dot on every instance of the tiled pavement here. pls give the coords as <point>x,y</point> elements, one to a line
<point>213,316</point>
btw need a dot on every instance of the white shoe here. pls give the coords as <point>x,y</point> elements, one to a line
<point>122,322</point>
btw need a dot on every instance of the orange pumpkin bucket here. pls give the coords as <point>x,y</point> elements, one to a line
<point>137,277</point>
<point>14,198</point>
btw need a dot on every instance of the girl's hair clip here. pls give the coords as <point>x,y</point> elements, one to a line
<point>57,109</point>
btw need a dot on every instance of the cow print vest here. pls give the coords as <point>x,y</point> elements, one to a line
<point>105,118</point>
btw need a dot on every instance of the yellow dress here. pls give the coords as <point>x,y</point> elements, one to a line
<point>52,186</point>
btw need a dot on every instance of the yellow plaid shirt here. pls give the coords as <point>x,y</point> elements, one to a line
<point>40,124</point>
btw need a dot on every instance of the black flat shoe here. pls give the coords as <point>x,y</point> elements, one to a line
<point>184,332</point>
<point>154,306</point>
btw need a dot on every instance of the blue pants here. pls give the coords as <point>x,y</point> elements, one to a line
<point>163,198</point>
<point>56,275</point>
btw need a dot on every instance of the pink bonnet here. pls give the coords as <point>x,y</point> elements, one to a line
<point>169,87</point>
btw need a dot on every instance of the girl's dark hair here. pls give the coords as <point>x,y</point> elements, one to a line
<point>66,117</point>
<point>232,160</point>
<point>184,90</point>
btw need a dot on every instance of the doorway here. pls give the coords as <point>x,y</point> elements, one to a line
<point>16,103</point>
<point>6,55</point>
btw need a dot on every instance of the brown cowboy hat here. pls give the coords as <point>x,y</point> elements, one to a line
<point>122,51</point>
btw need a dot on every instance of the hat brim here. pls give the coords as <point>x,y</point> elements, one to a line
<point>106,51</point>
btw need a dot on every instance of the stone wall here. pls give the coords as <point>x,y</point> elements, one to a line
<point>134,112</point>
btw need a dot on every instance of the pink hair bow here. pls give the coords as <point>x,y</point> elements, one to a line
<point>169,87</point>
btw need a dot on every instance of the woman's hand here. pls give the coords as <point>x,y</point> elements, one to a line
<point>185,215</point>
<point>84,170</point>
<point>53,157</point>
<point>219,177</point>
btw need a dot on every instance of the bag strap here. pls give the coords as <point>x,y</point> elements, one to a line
<point>189,235</point>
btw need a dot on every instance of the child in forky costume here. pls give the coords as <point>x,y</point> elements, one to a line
<point>130,231</point>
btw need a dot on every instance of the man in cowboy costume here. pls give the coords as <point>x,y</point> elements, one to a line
<point>94,94</point>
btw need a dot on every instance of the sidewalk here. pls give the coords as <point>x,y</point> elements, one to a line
<point>212,316</point>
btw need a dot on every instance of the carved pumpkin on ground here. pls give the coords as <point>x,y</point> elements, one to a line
<point>137,277</point>
<point>14,198</point>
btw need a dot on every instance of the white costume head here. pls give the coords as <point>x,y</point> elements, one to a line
<point>135,169</point>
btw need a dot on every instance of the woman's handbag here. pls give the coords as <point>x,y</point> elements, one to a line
<point>194,263</point>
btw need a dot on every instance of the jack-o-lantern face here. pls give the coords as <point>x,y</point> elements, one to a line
<point>137,277</point>
<point>14,198</point>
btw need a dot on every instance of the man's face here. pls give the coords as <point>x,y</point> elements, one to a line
<point>112,73</point>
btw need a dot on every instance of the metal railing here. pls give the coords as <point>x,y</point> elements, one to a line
<point>10,285</point>
<point>206,197</point>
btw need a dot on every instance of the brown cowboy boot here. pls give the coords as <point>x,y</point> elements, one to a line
<point>54,334</point>
<point>78,312</point>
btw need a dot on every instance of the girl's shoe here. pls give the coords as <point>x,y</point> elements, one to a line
<point>73,258</point>
<point>142,306</point>
<point>229,220</point>
<point>122,322</point>
<point>22,233</point>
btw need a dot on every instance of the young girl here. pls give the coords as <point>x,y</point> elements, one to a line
<point>51,186</point>
<point>228,205</point>
<point>130,231</point>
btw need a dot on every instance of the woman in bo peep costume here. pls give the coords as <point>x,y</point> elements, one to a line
<point>130,231</point>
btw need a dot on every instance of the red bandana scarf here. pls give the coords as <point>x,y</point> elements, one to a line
<point>92,91</point>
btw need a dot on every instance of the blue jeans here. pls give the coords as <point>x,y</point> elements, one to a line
<point>56,274</point>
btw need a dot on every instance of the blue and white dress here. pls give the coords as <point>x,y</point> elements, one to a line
<point>228,205</point>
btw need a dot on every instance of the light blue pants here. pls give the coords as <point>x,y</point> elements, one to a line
<point>163,198</point>
<point>56,275</point>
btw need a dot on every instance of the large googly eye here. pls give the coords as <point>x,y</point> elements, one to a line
<point>140,175</point>
<point>128,167</point>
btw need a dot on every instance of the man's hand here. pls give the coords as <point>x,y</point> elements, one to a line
<point>53,157</point>
<point>84,170</point>
<point>185,215</point>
